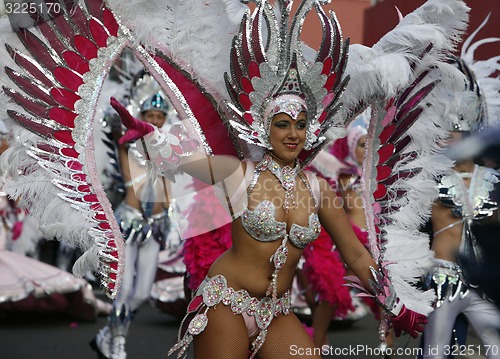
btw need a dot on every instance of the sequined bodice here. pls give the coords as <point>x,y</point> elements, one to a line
<point>262,225</point>
<point>475,202</point>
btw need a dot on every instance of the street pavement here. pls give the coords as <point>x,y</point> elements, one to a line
<point>152,333</point>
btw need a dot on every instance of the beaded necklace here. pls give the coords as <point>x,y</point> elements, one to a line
<point>285,175</point>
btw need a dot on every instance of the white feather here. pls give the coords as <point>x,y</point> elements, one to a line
<point>88,261</point>
<point>378,72</point>
<point>29,238</point>
<point>484,70</point>
<point>197,33</point>
<point>405,245</point>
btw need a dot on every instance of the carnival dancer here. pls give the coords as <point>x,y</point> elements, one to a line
<point>278,103</point>
<point>484,147</point>
<point>265,316</point>
<point>276,206</point>
<point>350,151</point>
<point>466,198</point>
<point>143,219</point>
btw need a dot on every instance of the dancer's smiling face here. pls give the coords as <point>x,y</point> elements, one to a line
<point>287,136</point>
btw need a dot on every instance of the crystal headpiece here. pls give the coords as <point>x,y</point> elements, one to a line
<point>143,95</point>
<point>292,105</point>
<point>470,113</point>
<point>479,106</point>
<point>156,102</point>
<point>268,68</point>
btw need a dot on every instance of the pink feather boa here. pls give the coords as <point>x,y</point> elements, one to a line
<point>202,250</point>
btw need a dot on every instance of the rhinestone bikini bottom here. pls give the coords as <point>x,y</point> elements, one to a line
<point>213,291</point>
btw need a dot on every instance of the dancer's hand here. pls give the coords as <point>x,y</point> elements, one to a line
<point>409,321</point>
<point>384,294</point>
<point>135,127</point>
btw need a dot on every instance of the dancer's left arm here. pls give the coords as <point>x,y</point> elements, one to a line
<point>373,279</point>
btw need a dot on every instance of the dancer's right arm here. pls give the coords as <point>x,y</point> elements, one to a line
<point>172,149</point>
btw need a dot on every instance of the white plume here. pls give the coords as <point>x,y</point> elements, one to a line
<point>197,33</point>
<point>379,71</point>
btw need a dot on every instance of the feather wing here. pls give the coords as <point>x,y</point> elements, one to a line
<point>382,70</point>
<point>53,82</point>
<point>402,160</point>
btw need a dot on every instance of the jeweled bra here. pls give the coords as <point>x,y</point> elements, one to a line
<point>261,223</point>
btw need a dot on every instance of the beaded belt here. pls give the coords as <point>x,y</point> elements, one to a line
<point>214,291</point>
<point>137,228</point>
<point>446,277</point>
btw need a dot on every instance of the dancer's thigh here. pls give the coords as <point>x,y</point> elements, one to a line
<point>225,337</point>
<point>287,338</point>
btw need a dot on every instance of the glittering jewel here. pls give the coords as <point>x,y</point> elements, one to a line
<point>285,175</point>
<point>273,66</point>
<point>278,259</point>
<point>198,324</point>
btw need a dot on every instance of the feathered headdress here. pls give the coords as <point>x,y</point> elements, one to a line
<point>479,104</point>
<point>269,73</point>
